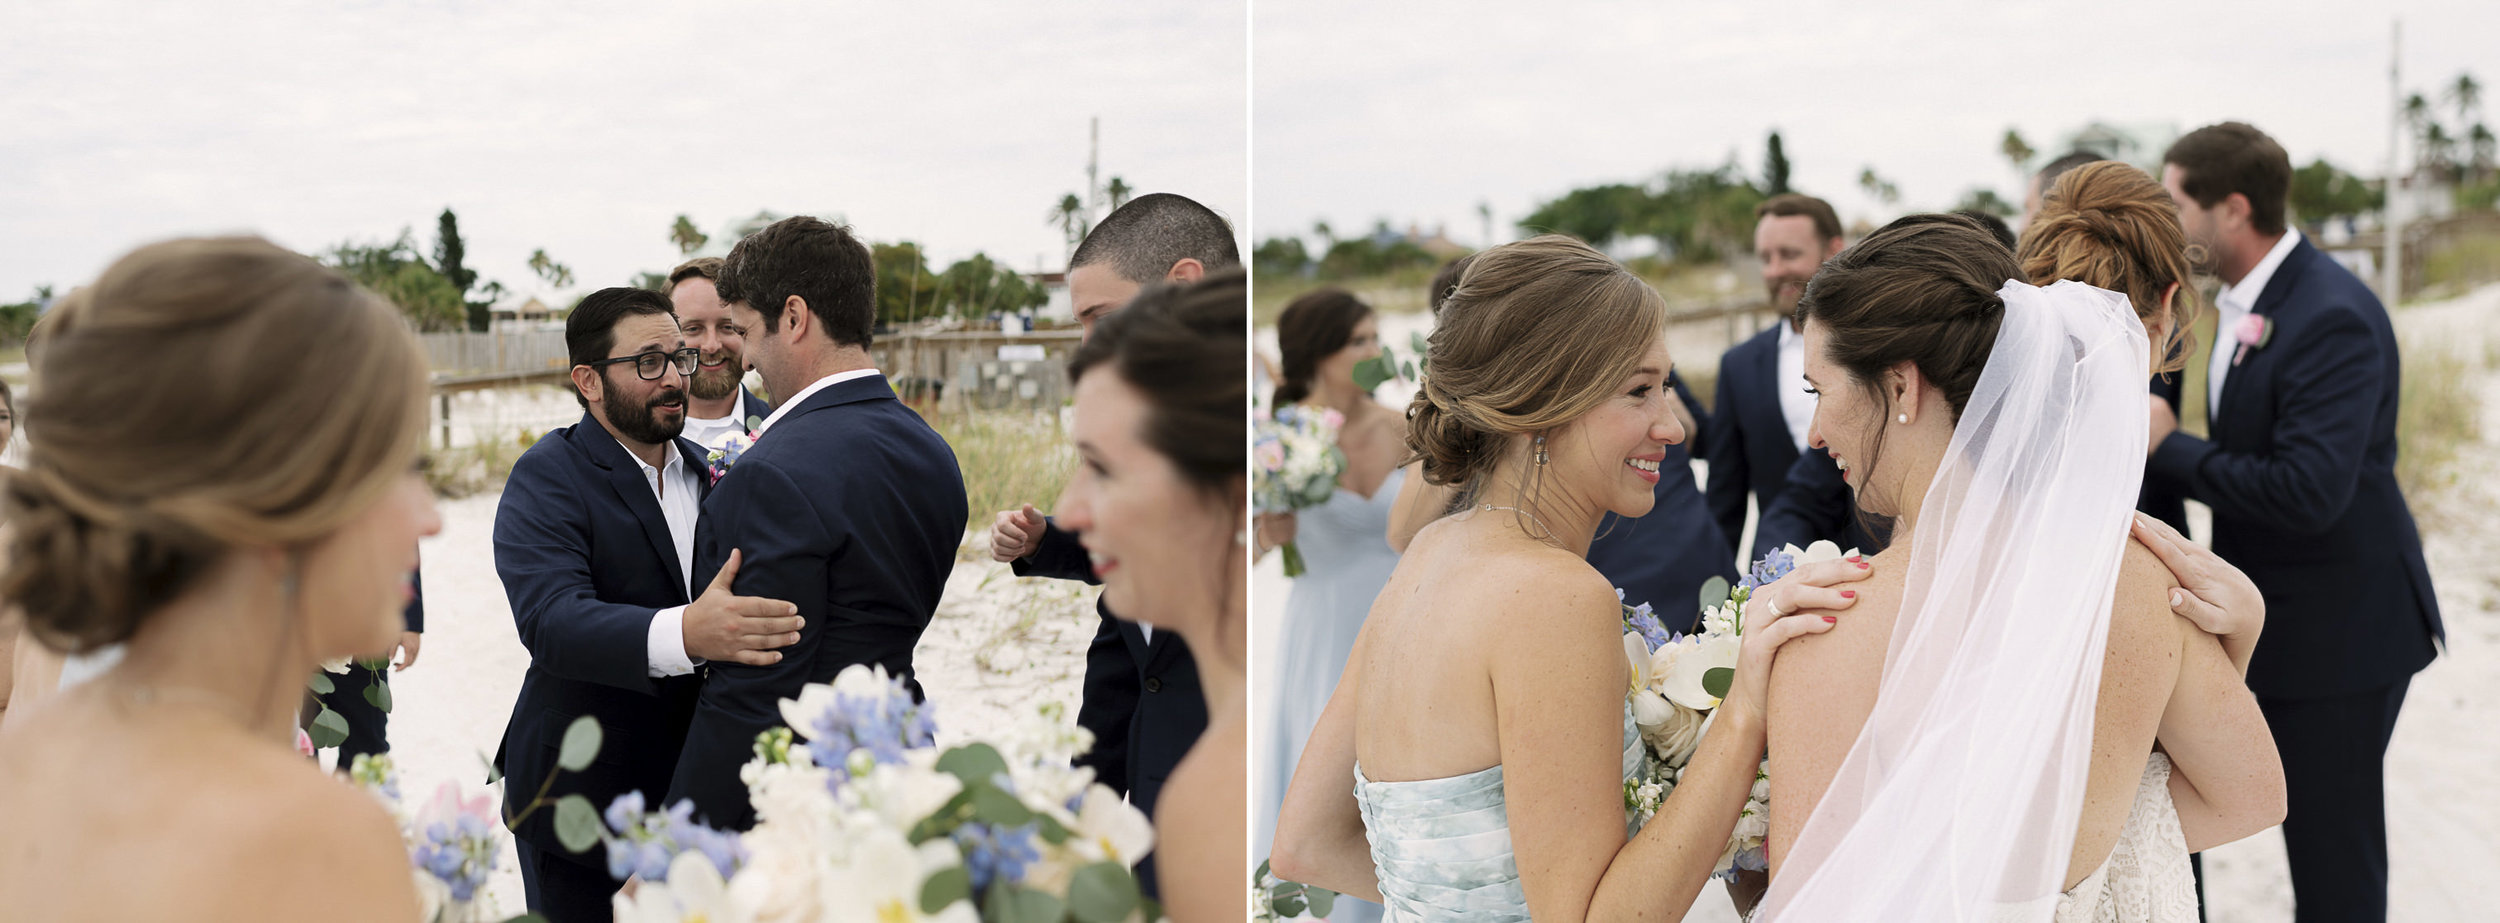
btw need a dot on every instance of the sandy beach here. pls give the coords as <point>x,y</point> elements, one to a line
<point>2443,767</point>
<point>998,647</point>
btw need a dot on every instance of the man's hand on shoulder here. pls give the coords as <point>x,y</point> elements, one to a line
<point>722,626</point>
<point>1016,533</point>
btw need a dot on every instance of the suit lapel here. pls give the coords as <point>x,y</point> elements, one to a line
<point>2277,292</point>
<point>624,474</point>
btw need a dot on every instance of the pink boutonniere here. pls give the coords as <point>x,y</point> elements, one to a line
<point>2253,332</point>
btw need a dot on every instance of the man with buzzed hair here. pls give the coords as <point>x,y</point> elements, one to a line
<point>1142,701</point>
<point>2046,180</point>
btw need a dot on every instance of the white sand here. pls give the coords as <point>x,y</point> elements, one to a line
<point>998,645</point>
<point>2443,767</point>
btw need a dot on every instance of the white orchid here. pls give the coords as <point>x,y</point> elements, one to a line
<point>694,893</point>
<point>1115,829</point>
<point>1695,658</point>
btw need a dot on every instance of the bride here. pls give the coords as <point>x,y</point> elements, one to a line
<point>249,507</point>
<point>2050,740</point>
<point>1470,764</point>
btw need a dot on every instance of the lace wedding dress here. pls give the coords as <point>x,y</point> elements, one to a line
<point>2146,877</point>
<point>1442,846</point>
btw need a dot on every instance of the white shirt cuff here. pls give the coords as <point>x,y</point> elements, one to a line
<point>667,643</point>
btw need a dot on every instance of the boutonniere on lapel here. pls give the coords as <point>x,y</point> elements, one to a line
<point>2253,332</point>
<point>725,450</point>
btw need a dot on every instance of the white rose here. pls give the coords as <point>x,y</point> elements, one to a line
<point>1675,738</point>
<point>1121,831</point>
<point>779,882</point>
<point>802,713</point>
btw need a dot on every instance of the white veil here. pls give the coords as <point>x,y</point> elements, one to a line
<point>1960,798</point>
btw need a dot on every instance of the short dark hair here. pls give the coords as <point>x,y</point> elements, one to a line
<point>1790,204</point>
<point>701,267</point>
<point>1446,281</point>
<point>590,331</point>
<point>2218,160</point>
<point>1142,239</point>
<point>817,260</point>
<point>2071,159</point>
<point>1181,346</point>
<point>1995,226</point>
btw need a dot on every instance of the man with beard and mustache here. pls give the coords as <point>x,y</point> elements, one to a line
<point>717,403</point>
<point>1756,432</point>
<point>594,541</point>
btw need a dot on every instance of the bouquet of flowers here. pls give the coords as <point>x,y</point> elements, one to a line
<point>860,816</point>
<point>1678,680</point>
<point>453,840</point>
<point>1297,465</point>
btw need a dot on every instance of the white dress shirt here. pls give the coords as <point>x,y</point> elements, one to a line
<point>1796,406</point>
<point>2233,303</point>
<point>804,393</point>
<point>680,492</point>
<point>704,430</point>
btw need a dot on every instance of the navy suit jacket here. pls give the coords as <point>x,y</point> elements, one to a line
<point>850,507</point>
<point>1142,699</point>
<point>1663,558</point>
<point>1815,504</point>
<point>2300,473</point>
<point>586,559</point>
<point>1799,497</point>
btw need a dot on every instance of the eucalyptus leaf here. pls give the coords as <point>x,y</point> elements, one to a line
<point>1418,343</point>
<point>528,918</point>
<point>1103,892</point>
<point>1053,832</point>
<point>329,729</point>
<point>1713,592</point>
<point>1322,900</point>
<point>1407,370</point>
<point>321,684</point>
<point>943,820</point>
<point>581,744</point>
<point>975,764</point>
<point>577,823</point>
<point>1016,904</point>
<point>943,889</point>
<point>378,695</point>
<point>1287,907</point>
<point>1716,680</point>
<point>992,805</point>
<point>1373,372</point>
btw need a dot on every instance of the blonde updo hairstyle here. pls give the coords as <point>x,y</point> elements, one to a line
<point>1534,335</point>
<point>203,395</point>
<point>2109,225</point>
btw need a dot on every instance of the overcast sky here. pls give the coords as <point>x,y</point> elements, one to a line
<point>585,128</point>
<point>1416,112</point>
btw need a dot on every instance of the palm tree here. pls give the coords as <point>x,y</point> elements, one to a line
<point>1882,189</point>
<point>1119,190</point>
<point>2437,149</point>
<point>684,235</point>
<point>2015,149</point>
<point>2466,94</point>
<point>1327,235</point>
<point>1484,213</point>
<point>2484,146</point>
<point>1069,215</point>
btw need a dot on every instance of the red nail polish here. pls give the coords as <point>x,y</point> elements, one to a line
<point>1832,618</point>
<point>1862,565</point>
<point>1848,594</point>
<point>1855,558</point>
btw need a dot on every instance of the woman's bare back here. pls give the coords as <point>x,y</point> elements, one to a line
<point>1823,688</point>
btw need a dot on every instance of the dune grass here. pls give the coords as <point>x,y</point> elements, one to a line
<point>1008,458</point>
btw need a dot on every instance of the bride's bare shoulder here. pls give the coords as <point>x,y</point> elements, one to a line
<point>2144,635</point>
<point>294,828</point>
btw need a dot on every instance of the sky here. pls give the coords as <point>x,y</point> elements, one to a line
<point>1414,112</point>
<point>586,128</point>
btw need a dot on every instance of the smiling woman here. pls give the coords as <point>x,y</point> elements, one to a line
<point>1159,497</point>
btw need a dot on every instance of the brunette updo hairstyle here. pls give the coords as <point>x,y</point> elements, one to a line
<point>1182,347</point>
<point>252,398</point>
<point>1313,327</point>
<point>1922,290</point>
<point>1535,335</point>
<point>2109,225</point>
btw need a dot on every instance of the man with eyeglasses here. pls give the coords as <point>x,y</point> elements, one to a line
<point>594,541</point>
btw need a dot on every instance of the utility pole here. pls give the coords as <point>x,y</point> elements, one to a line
<point>1093,160</point>
<point>2392,274</point>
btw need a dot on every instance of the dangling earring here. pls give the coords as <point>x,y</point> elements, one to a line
<point>1540,451</point>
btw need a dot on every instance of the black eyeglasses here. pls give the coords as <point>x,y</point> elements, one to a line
<point>652,365</point>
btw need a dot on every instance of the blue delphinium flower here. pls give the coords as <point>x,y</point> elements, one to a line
<point>646,842</point>
<point>620,859</point>
<point>1773,566</point>
<point>993,854</point>
<point>624,811</point>
<point>884,724</point>
<point>1643,621</point>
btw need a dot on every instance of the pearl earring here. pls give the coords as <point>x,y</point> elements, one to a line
<point>1905,418</point>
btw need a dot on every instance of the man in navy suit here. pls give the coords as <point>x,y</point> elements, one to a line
<point>1142,701</point>
<point>2300,473</point>
<point>717,400</point>
<point>594,540</point>
<point>848,505</point>
<point>1756,429</point>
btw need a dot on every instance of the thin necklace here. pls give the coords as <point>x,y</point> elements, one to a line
<point>151,694</point>
<point>1549,533</point>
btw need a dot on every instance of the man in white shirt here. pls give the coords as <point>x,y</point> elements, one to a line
<point>594,542</point>
<point>717,402</point>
